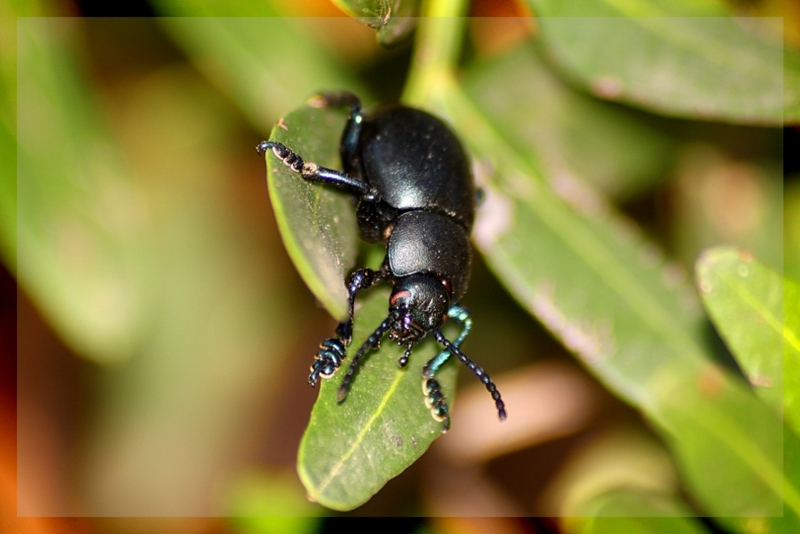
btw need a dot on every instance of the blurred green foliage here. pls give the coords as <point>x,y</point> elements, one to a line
<point>612,151</point>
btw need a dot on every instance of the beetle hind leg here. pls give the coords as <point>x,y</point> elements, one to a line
<point>435,401</point>
<point>434,398</point>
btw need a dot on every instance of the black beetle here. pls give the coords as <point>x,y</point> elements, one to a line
<point>414,190</point>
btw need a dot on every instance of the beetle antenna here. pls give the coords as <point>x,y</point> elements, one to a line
<point>480,373</point>
<point>373,341</point>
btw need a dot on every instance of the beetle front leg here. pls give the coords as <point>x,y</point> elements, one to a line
<point>311,172</point>
<point>332,351</point>
<point>358,280</point>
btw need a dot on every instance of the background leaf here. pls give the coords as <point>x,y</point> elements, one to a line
<point>635,512</point>
<point>604,292</point>
<point>713,425</point>
<point>745,300</point>
<point>571,134</point>
<point>373,13</point>
<point>82,226</point>
<point>273,503</point>
<point>711,66</point>
<point>393,20</point>
<point>256,60</point>
<point>791,353</point>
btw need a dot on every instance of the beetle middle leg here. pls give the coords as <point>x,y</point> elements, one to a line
<point>358,280</point>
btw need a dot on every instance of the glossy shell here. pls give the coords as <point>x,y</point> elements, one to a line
<point>415,162</point>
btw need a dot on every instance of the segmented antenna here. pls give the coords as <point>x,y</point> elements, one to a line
<point>477,371</point>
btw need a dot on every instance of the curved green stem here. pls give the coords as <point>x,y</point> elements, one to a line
<point>437,49</point>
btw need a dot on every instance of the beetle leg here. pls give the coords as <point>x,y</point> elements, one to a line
<point>434,398</point>
<point>435,401</point>
<point>311,172</point>
<point>328,358</point>
<point>358,280</point>
<point>461,316</point>
<point>332,351</point>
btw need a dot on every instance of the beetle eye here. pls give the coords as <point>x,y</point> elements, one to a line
<point>397,296</point>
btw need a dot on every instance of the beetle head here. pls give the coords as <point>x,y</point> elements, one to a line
<point>421,302</point>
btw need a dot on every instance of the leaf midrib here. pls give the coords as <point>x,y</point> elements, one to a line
<point>337,467</point>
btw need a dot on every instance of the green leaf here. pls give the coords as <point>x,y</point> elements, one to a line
<point>317,224</point>
<point>756,313</point>
<point>745,301</point>
<point>571,133</point>
<point>83,236</point>
<point>8,196</point>
<point>663,57</point>
<point>600,293</point>
<point>373,13</point>
<point>634,511</point>
<point>791,468</point>
<point>590,277</point>
<point>791,226</point>
<point>791,354</point>
<point>791,85</point>
<point>272,503</point>
<point>727,443</point>
<point>264,64</point>
<point>350,450</point>
<point>206,8</point>
<point>8,126</point>
<point>394,20</point>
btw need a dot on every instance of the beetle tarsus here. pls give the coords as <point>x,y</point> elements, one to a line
<point>435,401</point>
<point>328,358</point>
